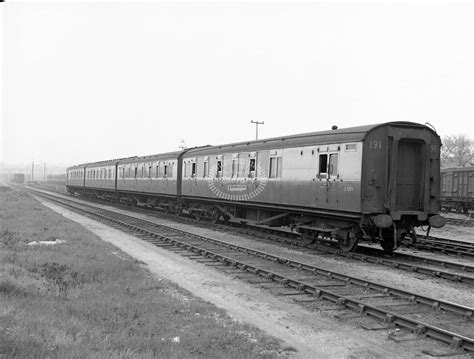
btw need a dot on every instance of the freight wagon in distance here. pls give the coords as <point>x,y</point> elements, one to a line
<point>457,187</point>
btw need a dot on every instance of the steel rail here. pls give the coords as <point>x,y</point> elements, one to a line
<point>459,221</point>
<point>388,317</point>
<point>446,241</point>
<point>401,265</point>
<point>433,246</point>
<point>393,263</point>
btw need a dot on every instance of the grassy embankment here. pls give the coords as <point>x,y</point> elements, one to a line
<point>85,298</point>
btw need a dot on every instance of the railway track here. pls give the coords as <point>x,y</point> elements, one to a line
<point>443,245</point>
<point>468,222</point>
<point>444,321</point>
<point>402,261</point>
<point>448,270</point>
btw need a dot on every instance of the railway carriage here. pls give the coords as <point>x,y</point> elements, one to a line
<point>374,182</point>
<point>150,180</point>
<point>296,173</point>
<point>100,175</point>
<point>75,177</point>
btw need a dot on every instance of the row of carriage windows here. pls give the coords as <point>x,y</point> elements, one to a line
<point>75,174</point>
<point>101,173</point>
<point>328,166</point>
<point>147,171</point>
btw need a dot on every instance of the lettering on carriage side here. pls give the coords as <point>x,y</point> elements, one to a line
<point>375,144</point>
<point>348,189</point>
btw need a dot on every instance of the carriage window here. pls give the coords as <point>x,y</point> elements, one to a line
<point>333,158</point>
<point>323,164</point>
<point>149,172</point>
<point>157,171</point>
<point>275,167</point>
<point>252,168</point>
<point>136,172</point>
<point>219,169</point>
<point>206,169</point>
<point>193,169</point>
<point>351,147</point>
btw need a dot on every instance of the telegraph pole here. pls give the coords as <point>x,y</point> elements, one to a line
<point>256,127</point>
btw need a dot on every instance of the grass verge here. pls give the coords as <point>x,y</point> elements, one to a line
<point>86,298</point>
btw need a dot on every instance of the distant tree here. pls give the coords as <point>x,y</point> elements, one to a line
<point>456,151</point>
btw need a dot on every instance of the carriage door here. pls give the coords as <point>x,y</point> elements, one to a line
<point>409,180</point>
<point>327,180</point>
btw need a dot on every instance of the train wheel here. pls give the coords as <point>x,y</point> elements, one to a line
<point>348,244</point>
<point>309,238</point>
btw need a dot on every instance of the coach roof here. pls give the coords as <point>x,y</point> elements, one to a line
<point>349,134</point>
<point>161,156</point>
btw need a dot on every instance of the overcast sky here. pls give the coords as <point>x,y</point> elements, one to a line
<point>93,81</point>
